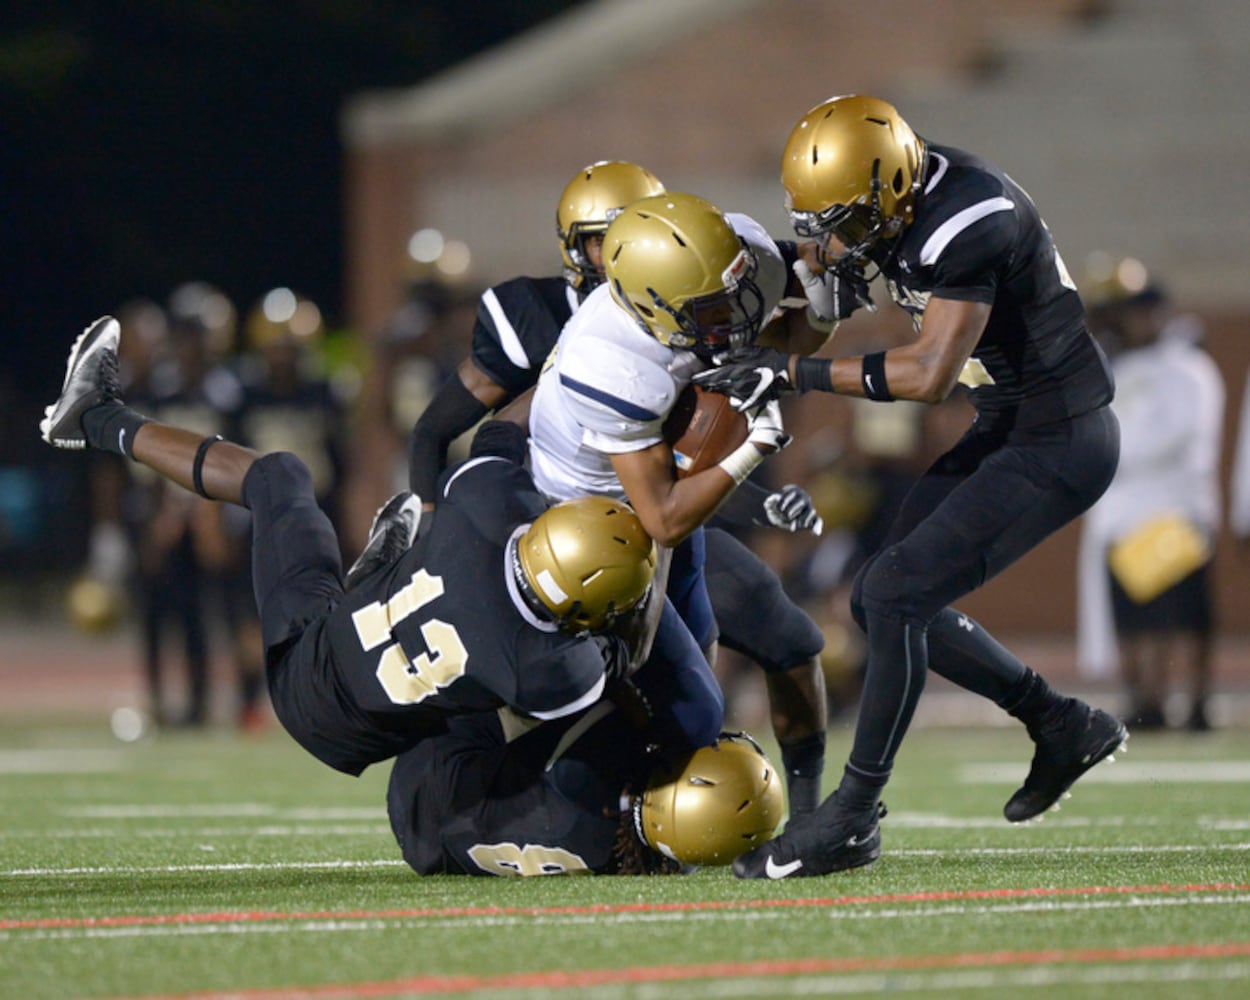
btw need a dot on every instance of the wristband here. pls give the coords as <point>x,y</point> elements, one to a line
<point>813,373</point>
<point>741,462</point>
<point>872,377</point>
<point>197,467</point>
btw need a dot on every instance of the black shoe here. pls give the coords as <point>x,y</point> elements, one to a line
<point>1067,746</point>
<point>827,840</point>
<point>90,379</point>
<point>392,533</point>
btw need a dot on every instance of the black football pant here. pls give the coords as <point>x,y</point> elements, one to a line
<point>994,496</point>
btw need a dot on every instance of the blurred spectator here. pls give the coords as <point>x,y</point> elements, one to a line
<point>288,404</point>
<point>178,543</point>
<point>1147,546</point>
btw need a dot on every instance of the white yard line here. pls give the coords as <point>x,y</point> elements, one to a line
<point>484,921</point>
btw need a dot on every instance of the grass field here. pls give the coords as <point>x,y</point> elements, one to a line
<point>214,866</point>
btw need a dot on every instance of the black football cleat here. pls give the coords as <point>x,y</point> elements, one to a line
<point>827,840</point>
<point>90,379</point>
<point>392,533</point>
<point>1067,746</point>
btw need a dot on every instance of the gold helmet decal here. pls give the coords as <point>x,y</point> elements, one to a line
<point>676,264</point>
<point>586,561</point>
<point>588,203</point>
<point>725,800</point>
<point>851,168</point>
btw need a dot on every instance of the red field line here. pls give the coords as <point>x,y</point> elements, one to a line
<point>552,980</point>
<point>262,916</point>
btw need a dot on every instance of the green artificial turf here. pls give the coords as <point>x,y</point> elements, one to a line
<point>213,865</point>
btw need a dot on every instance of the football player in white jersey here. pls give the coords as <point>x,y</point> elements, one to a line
<point>683,281</point>
<point>518,323</point>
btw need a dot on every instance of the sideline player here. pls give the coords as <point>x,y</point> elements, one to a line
<point>962,249</point>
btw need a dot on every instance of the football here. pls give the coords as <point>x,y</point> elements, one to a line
<point>702,428</point>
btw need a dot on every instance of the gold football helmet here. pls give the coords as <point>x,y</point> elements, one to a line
<point>588,203</point>
<point>676,264</point>
<point>726,800</point>
<point>852,168</point>
<point>585,561</point>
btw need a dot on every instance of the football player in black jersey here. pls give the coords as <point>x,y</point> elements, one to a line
<point>518,323</point>
<point>581,795</point>
<point>501,602</point>
<point>963,249</point>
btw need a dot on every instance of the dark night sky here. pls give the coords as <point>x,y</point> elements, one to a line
<point>150,143</point>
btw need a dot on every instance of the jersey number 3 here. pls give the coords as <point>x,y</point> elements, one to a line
<point>405,681</point>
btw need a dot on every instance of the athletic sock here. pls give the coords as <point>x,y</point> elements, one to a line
<point>860,791</point>
<point>1031,699</point>
<point>804,763</point>
<point>112,426</point>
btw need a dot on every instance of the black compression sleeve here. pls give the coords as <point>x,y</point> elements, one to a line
<point>744,507</point>
<point>450,413</point>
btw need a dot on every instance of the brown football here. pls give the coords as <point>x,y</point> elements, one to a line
<point>702,428</point>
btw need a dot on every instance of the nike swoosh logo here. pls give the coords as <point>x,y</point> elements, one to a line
<point>774,870</point>
<point>853,841</point>
<point>121,440</point>
<point>868,383</point>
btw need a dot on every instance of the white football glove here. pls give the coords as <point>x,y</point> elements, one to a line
<point>791,509</point>
<point>832,296</point>
<point>766,431</point>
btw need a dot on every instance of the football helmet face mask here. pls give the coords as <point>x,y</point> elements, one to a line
<point>725,800</point>
<point>589,202</point>
<point>585,562</point>
<point>851,169</point>
<point>676,264</point>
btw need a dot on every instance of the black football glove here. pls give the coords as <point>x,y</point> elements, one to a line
<point>750,377</point>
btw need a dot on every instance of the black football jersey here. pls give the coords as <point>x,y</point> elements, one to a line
<point>977,236</point>
<point>444,630</point>
<point>518,323</point>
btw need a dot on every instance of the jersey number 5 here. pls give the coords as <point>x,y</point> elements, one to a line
<point>405,681</point>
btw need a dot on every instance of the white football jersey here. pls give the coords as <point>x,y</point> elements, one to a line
<point>609,384</point>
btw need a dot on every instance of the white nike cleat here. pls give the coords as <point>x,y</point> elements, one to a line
<point>392,533</point>
<point>90,379</point>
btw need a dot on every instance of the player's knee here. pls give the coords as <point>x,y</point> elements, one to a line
<point>276,477</point>
<point>894,586</point>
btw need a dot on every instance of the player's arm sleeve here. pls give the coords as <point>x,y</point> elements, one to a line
<point>744,507</point>
<point>451,412</point>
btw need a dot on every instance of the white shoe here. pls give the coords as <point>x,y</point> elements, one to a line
<point>90,379</point>
<point>392,533</point>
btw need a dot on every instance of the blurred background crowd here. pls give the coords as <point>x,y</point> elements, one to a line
<point>164,169</point>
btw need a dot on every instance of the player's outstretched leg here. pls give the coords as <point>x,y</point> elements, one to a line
<point>392,533</point>
<point>1070,740</point>
<point>831,839</point>
<point>89,413</point>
